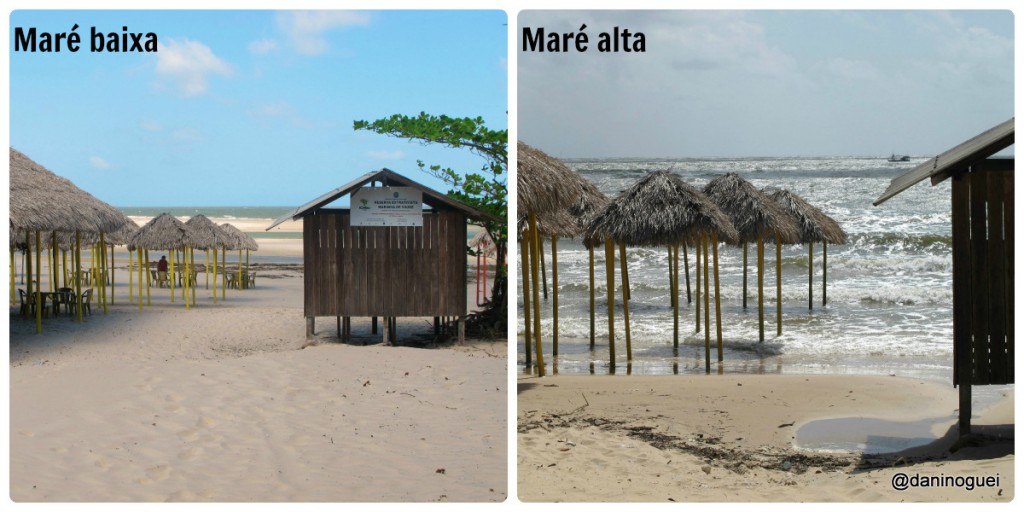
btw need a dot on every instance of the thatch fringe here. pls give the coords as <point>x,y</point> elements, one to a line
<point>206,234</point>
<point>543,182</point>
<point>237,239</point>
<point>752,212</point>
<point>164,232</point>
<point>814,225</point>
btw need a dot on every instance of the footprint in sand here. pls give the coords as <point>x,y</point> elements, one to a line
<point>158,473</point>
<point>205,422</point>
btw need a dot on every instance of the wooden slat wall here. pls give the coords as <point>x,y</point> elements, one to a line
<point>384,271</point>
<point>983,274</point>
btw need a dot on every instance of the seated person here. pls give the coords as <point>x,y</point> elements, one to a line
<point>161,271</point>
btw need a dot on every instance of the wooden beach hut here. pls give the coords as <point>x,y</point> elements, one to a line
<point>385,256</point>
<point>982,218</point>
<point>543,184</point>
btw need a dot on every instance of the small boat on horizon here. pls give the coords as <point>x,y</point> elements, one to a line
<point>899,158</point>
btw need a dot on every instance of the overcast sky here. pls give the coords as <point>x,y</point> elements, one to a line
<point>251,108</point>
<point>768,83</point>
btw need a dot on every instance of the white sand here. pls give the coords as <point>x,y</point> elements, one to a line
<point>223,403</point>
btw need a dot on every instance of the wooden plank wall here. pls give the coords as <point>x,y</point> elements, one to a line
<point>983,274</point>
<point>384,271</point>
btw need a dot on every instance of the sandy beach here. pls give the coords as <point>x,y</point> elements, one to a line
<point>230,402</point>
<point>732,438</point>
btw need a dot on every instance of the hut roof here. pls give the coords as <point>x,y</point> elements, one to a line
<point>41,200</point>
<point>752,212</point>
<point>206,234</point>
<point>543,182</point>
<point>478,241</point>
<point>589,203</point>
<point>660,209</point>
<point>814,225</point>
<point>163,232</point>
<point>954,160</point>
<point>238,239</point>
<point>431,197</point>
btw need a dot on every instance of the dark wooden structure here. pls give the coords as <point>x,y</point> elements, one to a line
<point>384,271</point>
<point>982,215</point>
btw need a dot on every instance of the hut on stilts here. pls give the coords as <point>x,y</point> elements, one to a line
<point>43,203</point>
<point>385,256</point>
<point>982,219</point>
<point>757,218</point>
<point>814,226</point>
<point>544,184</point>
<point>662,210</point>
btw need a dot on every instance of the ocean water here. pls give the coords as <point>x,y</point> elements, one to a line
<point>889,305</point>
<point>262,213</point>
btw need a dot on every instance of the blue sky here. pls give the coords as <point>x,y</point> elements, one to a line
<point>769,83</point>
<point>251,107</point>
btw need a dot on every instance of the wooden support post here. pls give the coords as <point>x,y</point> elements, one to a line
<point>535,255</point>
<point>609,259</point>
<point>686,270</point>
<point>778,285</point>
<point>462,329</point>
<point>373,325</point>
<point>707,308</point>
<point>760,287</point>
<point>437,325</point>
<point>543,266</point>
<point>103,272</point>
<point>339,326</point>
<point>387,332</point>
<point>625,300</point>
<point>170,275</point>
<point>39,285</point>
<point>696,272</point>
<point>138,251</point>
<point>78,275</point>
<point>527,298</point>
<point>673,270</point>
<point>310,327</point>
<point>744,274</point>
<point>554,298</point>
<point>718,301</point>
<point>149,280</point>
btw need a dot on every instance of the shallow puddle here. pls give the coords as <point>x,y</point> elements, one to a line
<point>869,435</point>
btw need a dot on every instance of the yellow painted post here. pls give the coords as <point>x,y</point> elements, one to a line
<point>593,329</point>
<point>744,274</point>
<point>534,257</point>
<point>191,272</point>
<point>64,259</point>
<point>224,273</point>
<point>78,274</point>
<point>718,300</point>
<point>760,287</point>
<point>609,258</point>
<point>171,273</point>
<point>696,271</point>
<point>778,285</point>
<point>13,298</point>
<point>554,299</point>
<point>149,281</point>
<point>103,271</point>
<point>27,266</point>
<point>131,283</point>
<point>238,278</point>
<point>52,260</point>
<point>527,312</point>
<point>247,267</point>
<point>673,270</point>
<point>625,300</point>
<point>184,277</point>
<point>39,284</point>
<point>215,274</point>
<point>686,271</point>
<point>206,269</point>
<point>112,276</point>
<point>810,275</point>
<point>543,267</point>
<point>707,306</point>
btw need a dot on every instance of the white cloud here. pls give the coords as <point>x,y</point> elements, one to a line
<point>306,29</point>
<point>263,46</point>
<point>151,126</point>
<point>189,64</point>
<point>98,162</point>
<point>387,155</point>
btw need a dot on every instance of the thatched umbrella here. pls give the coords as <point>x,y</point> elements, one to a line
<point>815,226</point>
<point>543,184</point>
<point>164,232</point>
<point>207,235</point>
<point>756,217</point>
<point>660,210</point>
<point>41,201</point>
<point>240,241</point>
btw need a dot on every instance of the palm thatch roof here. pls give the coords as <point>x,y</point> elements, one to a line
<point>164,232</point>
<point>660,209</point>
<point>41,200</point>
<point>479,239</point>
<point>543,182</point>
<point>237,239</point>
<point>752,212</point>
<point>556,223</point>
<point>814,225</point>
<point>206,234</point>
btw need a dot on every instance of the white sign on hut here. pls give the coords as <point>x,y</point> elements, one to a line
<point>387,206</point>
